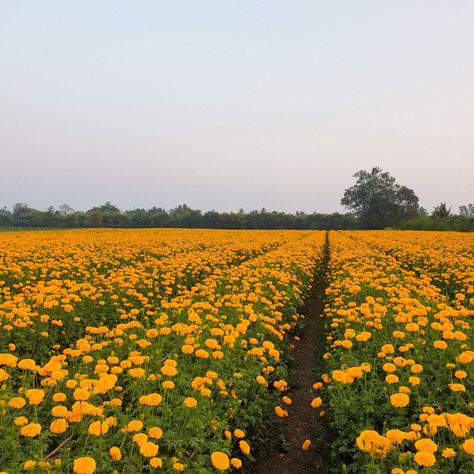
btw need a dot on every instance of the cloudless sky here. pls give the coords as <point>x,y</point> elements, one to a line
<point>233,104</point>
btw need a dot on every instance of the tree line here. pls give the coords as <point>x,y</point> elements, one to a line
<point>183,216</point>
<point>375,201</point>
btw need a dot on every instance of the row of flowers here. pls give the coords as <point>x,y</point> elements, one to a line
<point>399,382</point>
<point>178,370</point>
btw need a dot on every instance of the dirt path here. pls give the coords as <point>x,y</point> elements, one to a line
<point>302,422</point>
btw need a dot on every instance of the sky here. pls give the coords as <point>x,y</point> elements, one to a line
<point>234,104</point>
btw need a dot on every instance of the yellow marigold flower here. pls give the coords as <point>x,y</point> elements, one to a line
<point>425,458</point>
<point>98,428</point>
<point>425,444</point>
<point>416,368</point>
<point>28,465</point>
<point>220,460</point>
<point>115,453</point>
<point>440,345</point>
<point>280,412</point>
<point>306,444</point>
<point>3,375</point>
<point>8,359</point>
<point>316,402</point>
<point>31,430</point>
<point>239,433</point>
<point>347,344</point>
<point>35,396</point>
<point>202,354</point>
<point>388,349</point>
<point>59,411</point>
<point>84,465</point>
<point>20,420</point>
<point>81,394</point>
<point>190,402</point>
<point>136,372</point>
<point>58,426</point>
<point>457,387</point>
<point>261,380</point>
<point>155,432</point>
<point>140,438</point>
<point>466,357</point>
<point>149,449</point>
<point>152,400</point>
<point>168,385</point>
<point>169,370</point>
<point>399,400</point>
<point>286,400</point>
<point>59,397</point>
<point>27,364</point>
<point>156,463</point>
<point>468,446</point>
<point>179,467</point>
<point>236,463</point>
<point>17,403</point>
<point>134,426</point>
<point>460,374</point>
<point>448,453</point>
<point>244,447</point>
<point>371,442</point>
<point>363,336</point>
<point>105,383</point>
<point>391,378</point>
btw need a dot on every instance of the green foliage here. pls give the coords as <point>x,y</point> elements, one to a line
<point>378,201</point>
<point>182,216</point>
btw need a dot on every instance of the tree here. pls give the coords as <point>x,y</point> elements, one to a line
<point>378,201</point>
<point>107,207</point>
<point>467,211</point>
<point>65,209</point>
<point>441,211</point>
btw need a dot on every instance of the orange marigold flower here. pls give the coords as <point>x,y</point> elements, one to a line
<point>31,430</point>
<point>448,453</point>
<point>425,458</point>
<point>190,402</point>
<point>134,426</point>
<point>425,444</point>
<point>156,463</point>
<point>220,460</point>
<point>115,453</point>
<point>58,426</point>
<point>399,400</point>
<point>468,446</point>
<point>149,449</point>
<point>35,396</point>
<point>17,402</point>
<point>244,446</point>
<point>155,432</point>
<point>84,465</point>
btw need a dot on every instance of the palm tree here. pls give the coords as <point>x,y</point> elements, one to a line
<point>441,211</point>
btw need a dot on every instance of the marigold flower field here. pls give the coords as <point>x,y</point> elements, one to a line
<point>142,350</point>
<point>165,350</point>
<point>399,378</point>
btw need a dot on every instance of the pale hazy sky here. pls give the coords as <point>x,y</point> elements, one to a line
<point>229,104</point>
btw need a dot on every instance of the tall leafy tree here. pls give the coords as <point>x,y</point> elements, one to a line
<point>378,201</point>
